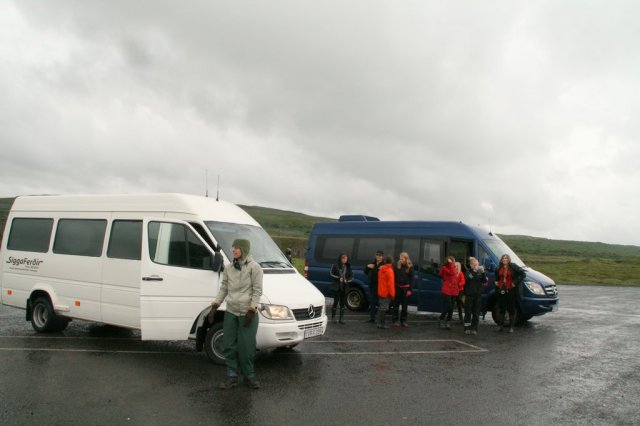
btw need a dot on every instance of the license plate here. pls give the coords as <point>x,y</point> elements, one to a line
<point>312,332</point>
<point>554,308</point>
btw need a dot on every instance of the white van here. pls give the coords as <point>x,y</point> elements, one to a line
<point>149,262</point>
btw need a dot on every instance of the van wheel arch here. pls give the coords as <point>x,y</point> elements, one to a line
<point>42,316</point>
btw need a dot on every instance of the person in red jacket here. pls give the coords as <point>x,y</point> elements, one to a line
<point>450,290</point>
<point>508,277</point>
<point>386,290</point>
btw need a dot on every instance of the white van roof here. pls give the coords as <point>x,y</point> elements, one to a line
<point>204,207</point>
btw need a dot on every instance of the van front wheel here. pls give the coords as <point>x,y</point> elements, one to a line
<point>355,299</point>
<point>213,344</point>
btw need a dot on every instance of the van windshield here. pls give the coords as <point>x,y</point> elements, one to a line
<point>498,248</point>
<point>263,249</point>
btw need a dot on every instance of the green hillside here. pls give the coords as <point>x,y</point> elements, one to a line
<point>576,262</point>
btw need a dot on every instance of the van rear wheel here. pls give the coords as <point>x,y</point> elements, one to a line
<point>44,319</point>
<point>213,344</point>
<point>355,299</point>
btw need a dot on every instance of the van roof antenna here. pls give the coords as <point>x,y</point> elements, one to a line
<point>218,190</point>
<point>490,230</point>
<point>206,182</point>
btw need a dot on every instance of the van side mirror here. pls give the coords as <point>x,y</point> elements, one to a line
<point>488,264</point>
<point>218,260</point>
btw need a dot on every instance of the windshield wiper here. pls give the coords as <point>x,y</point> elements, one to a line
<point>275,264</point>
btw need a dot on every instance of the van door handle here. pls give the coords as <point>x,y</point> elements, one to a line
<point>153,278</point>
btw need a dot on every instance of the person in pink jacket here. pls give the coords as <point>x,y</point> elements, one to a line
<point>458,301</point>
<point>450,290</point>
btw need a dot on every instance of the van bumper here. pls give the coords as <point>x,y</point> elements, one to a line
<point>275,335</point>
<point>536,306</point>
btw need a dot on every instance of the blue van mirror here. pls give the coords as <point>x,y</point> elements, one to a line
<point>488,264</point>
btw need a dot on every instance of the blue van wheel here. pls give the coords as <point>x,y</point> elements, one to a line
<point>355,299</point>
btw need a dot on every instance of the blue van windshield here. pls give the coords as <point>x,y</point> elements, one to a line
<point>497,247</point>
<point>263,249</point>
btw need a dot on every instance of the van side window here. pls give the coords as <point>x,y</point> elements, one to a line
<point>80,237</point>
<point>461,250</point>
<point>367,248</point>
<point>126,240</point>
<point>412,247</point>
<point>328,248</point>
<point>431,256</point>
<point>30,234</point>
<point>174,244</point>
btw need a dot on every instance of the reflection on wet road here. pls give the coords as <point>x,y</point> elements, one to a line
<point>578,365</point>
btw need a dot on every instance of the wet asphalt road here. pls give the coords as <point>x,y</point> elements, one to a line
<point>579,365</point>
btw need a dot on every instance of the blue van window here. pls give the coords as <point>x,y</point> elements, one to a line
<point>412,247</point>
<point>498,248</point>
<point>431,256</point>
<point>328,248</point>
<point>367,248</point>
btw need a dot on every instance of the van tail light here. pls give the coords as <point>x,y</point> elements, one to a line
<point>306,268</point>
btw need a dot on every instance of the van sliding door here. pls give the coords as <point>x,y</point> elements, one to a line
<point>429,298</point>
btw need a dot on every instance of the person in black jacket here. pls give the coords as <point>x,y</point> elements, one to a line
<point>475,280</point>
<point>342,276</point>
<point>509,276</point>
<point>372,270</point>
<point>403,278</point>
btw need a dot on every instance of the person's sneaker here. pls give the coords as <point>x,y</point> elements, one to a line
<point>474,332</point>
<point>467,332</point>
<point>230,382</point>
<point>396,324</point>
<point>405,325</point>
<point>510,330</point>
<point>252,382</point>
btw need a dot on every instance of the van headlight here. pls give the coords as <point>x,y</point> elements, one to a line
<point>535,288</point>
<point>276,312</point>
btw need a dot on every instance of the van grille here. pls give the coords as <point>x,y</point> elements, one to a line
<point>312,325</point>
<point>303,314</point>
<point>551,290</point>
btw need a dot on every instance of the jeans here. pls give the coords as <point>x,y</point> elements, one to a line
<point>373,303</point>
<point>401,300</point>
<point>471,312</point>
<point>339,298</point>
<point>447,306</point>
<point>507,303</point>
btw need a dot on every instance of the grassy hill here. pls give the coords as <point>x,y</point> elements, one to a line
<point>576,262</point>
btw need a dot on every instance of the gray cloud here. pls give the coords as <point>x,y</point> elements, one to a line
<point>515,114</point>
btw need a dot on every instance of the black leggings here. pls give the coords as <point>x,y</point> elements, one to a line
<point>339,298</point>
<point>401,300</point>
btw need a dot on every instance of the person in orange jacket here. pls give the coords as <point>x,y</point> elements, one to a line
<point>386,290</point>
<point>450,290</point>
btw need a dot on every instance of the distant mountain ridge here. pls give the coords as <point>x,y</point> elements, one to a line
<point>284,223</point>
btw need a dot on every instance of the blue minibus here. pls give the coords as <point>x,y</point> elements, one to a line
<point>428,244</point>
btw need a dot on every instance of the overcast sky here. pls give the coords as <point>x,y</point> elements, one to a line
<point>519,114</point>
